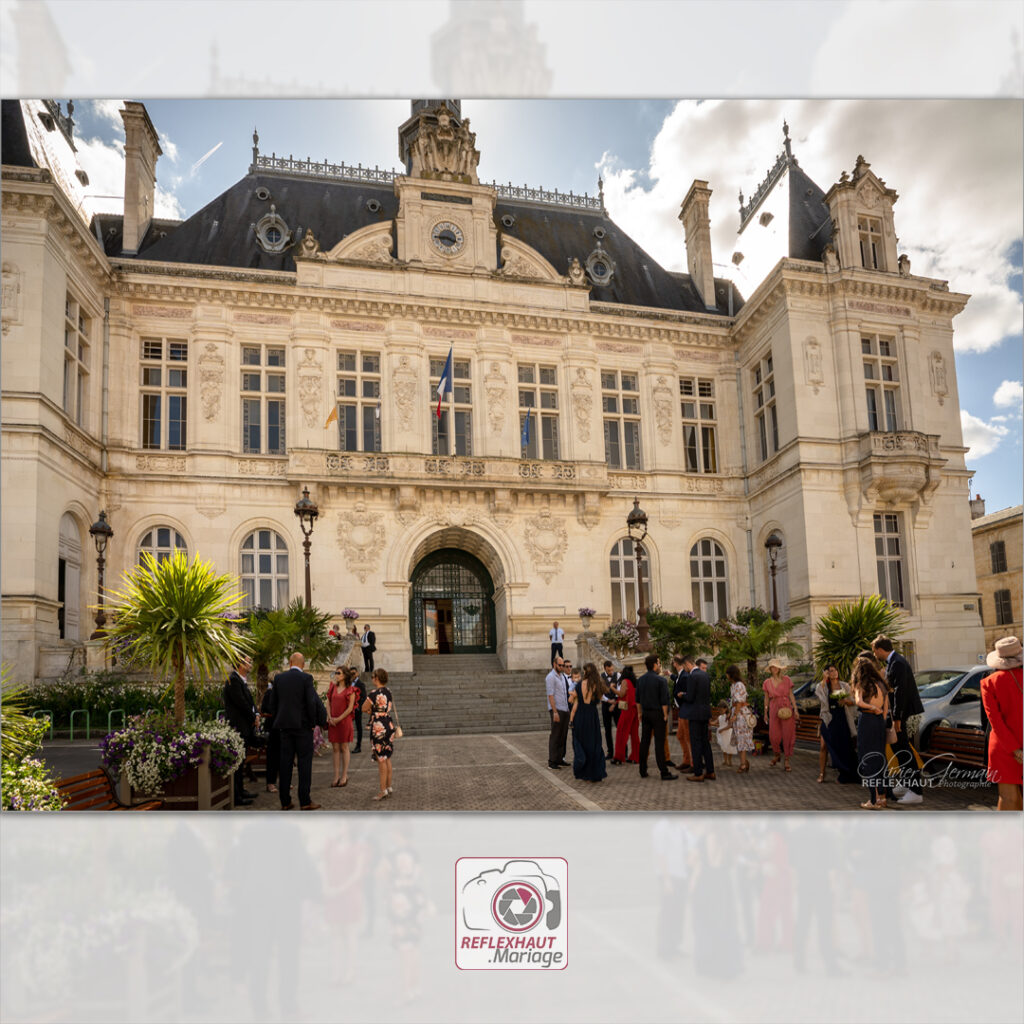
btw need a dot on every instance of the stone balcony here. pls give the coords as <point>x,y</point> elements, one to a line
<point>899,467</point>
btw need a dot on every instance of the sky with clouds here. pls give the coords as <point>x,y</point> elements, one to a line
<point>958,215</point>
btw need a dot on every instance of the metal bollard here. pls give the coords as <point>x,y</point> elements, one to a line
<point>110,717</point>
<point>80,711</point>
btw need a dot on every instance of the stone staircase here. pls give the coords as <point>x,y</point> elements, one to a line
<point>467,693</point>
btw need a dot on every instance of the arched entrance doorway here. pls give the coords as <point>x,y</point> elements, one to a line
<point>451,610</point>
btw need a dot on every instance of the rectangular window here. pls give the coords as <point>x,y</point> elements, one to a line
<point>359,420</point>
<point>870,235</point>
<point>889,557</point>
<point>621,420</point>
<point>538,395</point>
<point>1004,608</point>
<point>164,387</point>
<point>998,552</point>
<point>263,417</point>
<point>77,341</point>
<point>459,404</point>
<point>764,408</point>
<point>881,371</point>
<point>700,453</point>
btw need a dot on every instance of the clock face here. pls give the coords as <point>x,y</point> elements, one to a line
<point>447,238</point>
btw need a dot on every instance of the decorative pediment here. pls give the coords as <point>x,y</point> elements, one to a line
<point>372,244</point>
<point>521,260</point>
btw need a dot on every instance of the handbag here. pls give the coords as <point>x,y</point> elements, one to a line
<point>623,705</point>
<point>394,714</point>
<point>784,713</point>
<point>751,718</point>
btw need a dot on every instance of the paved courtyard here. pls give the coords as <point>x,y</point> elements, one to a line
<point>509,773</point>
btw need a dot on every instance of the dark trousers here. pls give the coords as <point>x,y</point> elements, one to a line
<point>608,716</point>
<point>558,736</point>
<point>357,716</point>
<point>652,727</point>
<point>296,743</point>
<point>367,659</point>
<point>556,649</point>
<point>908,774</point>
<point>273,756</point>
<point>700,746</point>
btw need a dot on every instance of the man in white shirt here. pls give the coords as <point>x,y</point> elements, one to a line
<point>557,636</point>
<point>557,686</point>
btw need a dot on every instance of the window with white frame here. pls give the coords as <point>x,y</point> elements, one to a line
<point>359,401</point>
<point>264,570</point>
<point>697,400</point>
<point>263,403</point>
<point>77,343</point>
<point>872,255</point>
<point>162,542</point>
<point>889,557</point>
<point>622,563</point>
<point>163,397</point>
<point>882,381</point>
<point>538,399</point>
<point>444,440</point>
<point>765,413</point>
<point>620,404</point>
<point>709,581</point>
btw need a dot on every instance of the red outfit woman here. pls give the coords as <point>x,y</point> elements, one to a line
<point>1001,693</point>
<point>338,700</point>
<point>627,727</point>
<point>781,732</point>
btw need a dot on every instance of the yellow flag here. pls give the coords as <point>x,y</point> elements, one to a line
<point>333,418</point>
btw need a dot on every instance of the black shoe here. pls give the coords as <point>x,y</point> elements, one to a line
<point>643,775</point>
<point>249,796</point>
<point>671,764</point>
<point>668,775</point>
<point>554,767</point>
<point>357,750</point>
<point>244,802</point>
<point>564,764</point>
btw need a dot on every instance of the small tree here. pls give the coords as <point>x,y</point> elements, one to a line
<point>175,616</point>
<point>677,633</point>
<point>847,629</point>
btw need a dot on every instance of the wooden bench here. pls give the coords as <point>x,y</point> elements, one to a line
<point>93,791</point>
<point>960,746</point>
<point>808,728</point>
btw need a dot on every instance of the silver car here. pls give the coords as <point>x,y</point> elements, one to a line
<point>951,697</point>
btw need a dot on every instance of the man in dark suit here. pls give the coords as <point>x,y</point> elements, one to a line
<point>609,705</point>
<point>296,709</point>
<point>652,699</point>
<point>240,714</point>
<point>906,701</point>
<point>369,644</point>
<point>695,707</point>
<point>678,676</point>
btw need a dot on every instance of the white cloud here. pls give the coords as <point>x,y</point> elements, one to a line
<point>1009,395</point>
<point>108,110</point>
<point>170,150</point>
<point>975,184</point>
<point>982,438</point>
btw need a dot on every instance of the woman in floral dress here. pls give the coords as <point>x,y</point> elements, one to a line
<point>742,729</point>
<point>380,708</point>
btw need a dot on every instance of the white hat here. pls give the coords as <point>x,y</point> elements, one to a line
<point>776,663</point>
<point>1006,655</point>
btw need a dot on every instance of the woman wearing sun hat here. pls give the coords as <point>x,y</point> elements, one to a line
<point>781,713</point>
<point>1002,694</point>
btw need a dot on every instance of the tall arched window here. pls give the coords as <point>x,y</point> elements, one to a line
<point>709,581</point>
<point>162,542</point>
<point>264,570</point>
<point>623,577</point>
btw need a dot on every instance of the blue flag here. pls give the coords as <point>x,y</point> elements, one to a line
<point>525,439</point>
<point>444,385</point>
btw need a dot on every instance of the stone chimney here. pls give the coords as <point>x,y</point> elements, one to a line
<point>977,504</point>
<point>141,149</point>
<point>697,225</point>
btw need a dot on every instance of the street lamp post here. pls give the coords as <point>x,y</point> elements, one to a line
<point>636,523</point>
<point>772,544</point>
<point>101,532</point>
<point>307,512</point>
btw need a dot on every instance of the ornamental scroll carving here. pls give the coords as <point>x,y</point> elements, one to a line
<point>496,388</point>
<point>582,403</point>
<point>546,539</point>
<point>311,383</point>
<point>515,265</point>
<point>662,397</point>
<point>211,381</point>
<point>361,536</point>
<point>813,372</point>
<point>403,387</point>
<point>377,250</point>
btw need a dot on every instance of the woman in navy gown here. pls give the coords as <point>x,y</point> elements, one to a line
<point>587,745</point>
<point>835,729</point>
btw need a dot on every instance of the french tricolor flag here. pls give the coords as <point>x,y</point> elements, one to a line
<point>444,385</point>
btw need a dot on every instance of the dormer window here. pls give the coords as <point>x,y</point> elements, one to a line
<point>870,233</point>
<point>271,232</point>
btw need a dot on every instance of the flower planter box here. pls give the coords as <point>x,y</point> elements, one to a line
<point>199,789</point>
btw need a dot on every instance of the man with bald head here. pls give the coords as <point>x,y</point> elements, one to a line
<point>295,709</point>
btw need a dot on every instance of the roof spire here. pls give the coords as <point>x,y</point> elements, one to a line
<point>786,142</point>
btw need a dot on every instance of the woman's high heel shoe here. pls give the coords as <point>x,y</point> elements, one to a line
<point>774,761</point>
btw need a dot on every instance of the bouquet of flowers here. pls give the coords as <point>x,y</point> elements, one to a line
<point>841,694</point>
<point>349,613</point>
<point>587,613</point>
<point>622,636</point>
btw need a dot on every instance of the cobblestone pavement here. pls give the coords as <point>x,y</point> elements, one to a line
<point>509,773</point>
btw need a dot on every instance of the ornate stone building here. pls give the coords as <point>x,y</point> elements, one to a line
<point>191,378</point>
<point>999,557</point>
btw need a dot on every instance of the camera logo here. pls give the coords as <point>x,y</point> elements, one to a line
<point>510,913</point>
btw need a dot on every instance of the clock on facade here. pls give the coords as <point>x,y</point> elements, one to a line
<point>447,238</point>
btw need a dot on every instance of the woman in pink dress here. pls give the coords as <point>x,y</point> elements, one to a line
<point>778,695</point>
<point>341,700</point>
<point>1002,693</point>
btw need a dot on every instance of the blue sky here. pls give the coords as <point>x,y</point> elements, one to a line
<point>959,213</point>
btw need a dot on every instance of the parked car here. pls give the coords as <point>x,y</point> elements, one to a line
<point>951,697</point>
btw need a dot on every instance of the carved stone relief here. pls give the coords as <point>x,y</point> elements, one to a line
<point>161,463</point>
<point>11,296</point>
<point>582,403</point>
<point>308,248</point>
<point>813,371</point>
<point>311,383</point>
<point>361,536</point>
<point>496,387</point>
<point>577,275</point>
<point>377,250</point>
<point>211,381</point>
<point>662,396</point>
<point>937,368</point>
<point>442,150</point>
<point>515,265</point>
<point>546,539</point>
<point>403,387</point>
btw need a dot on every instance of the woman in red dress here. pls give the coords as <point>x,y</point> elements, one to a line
<point>628,724</point>
<point>778,695</point>
<point>1002,693</point>
<point>341,700</point>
